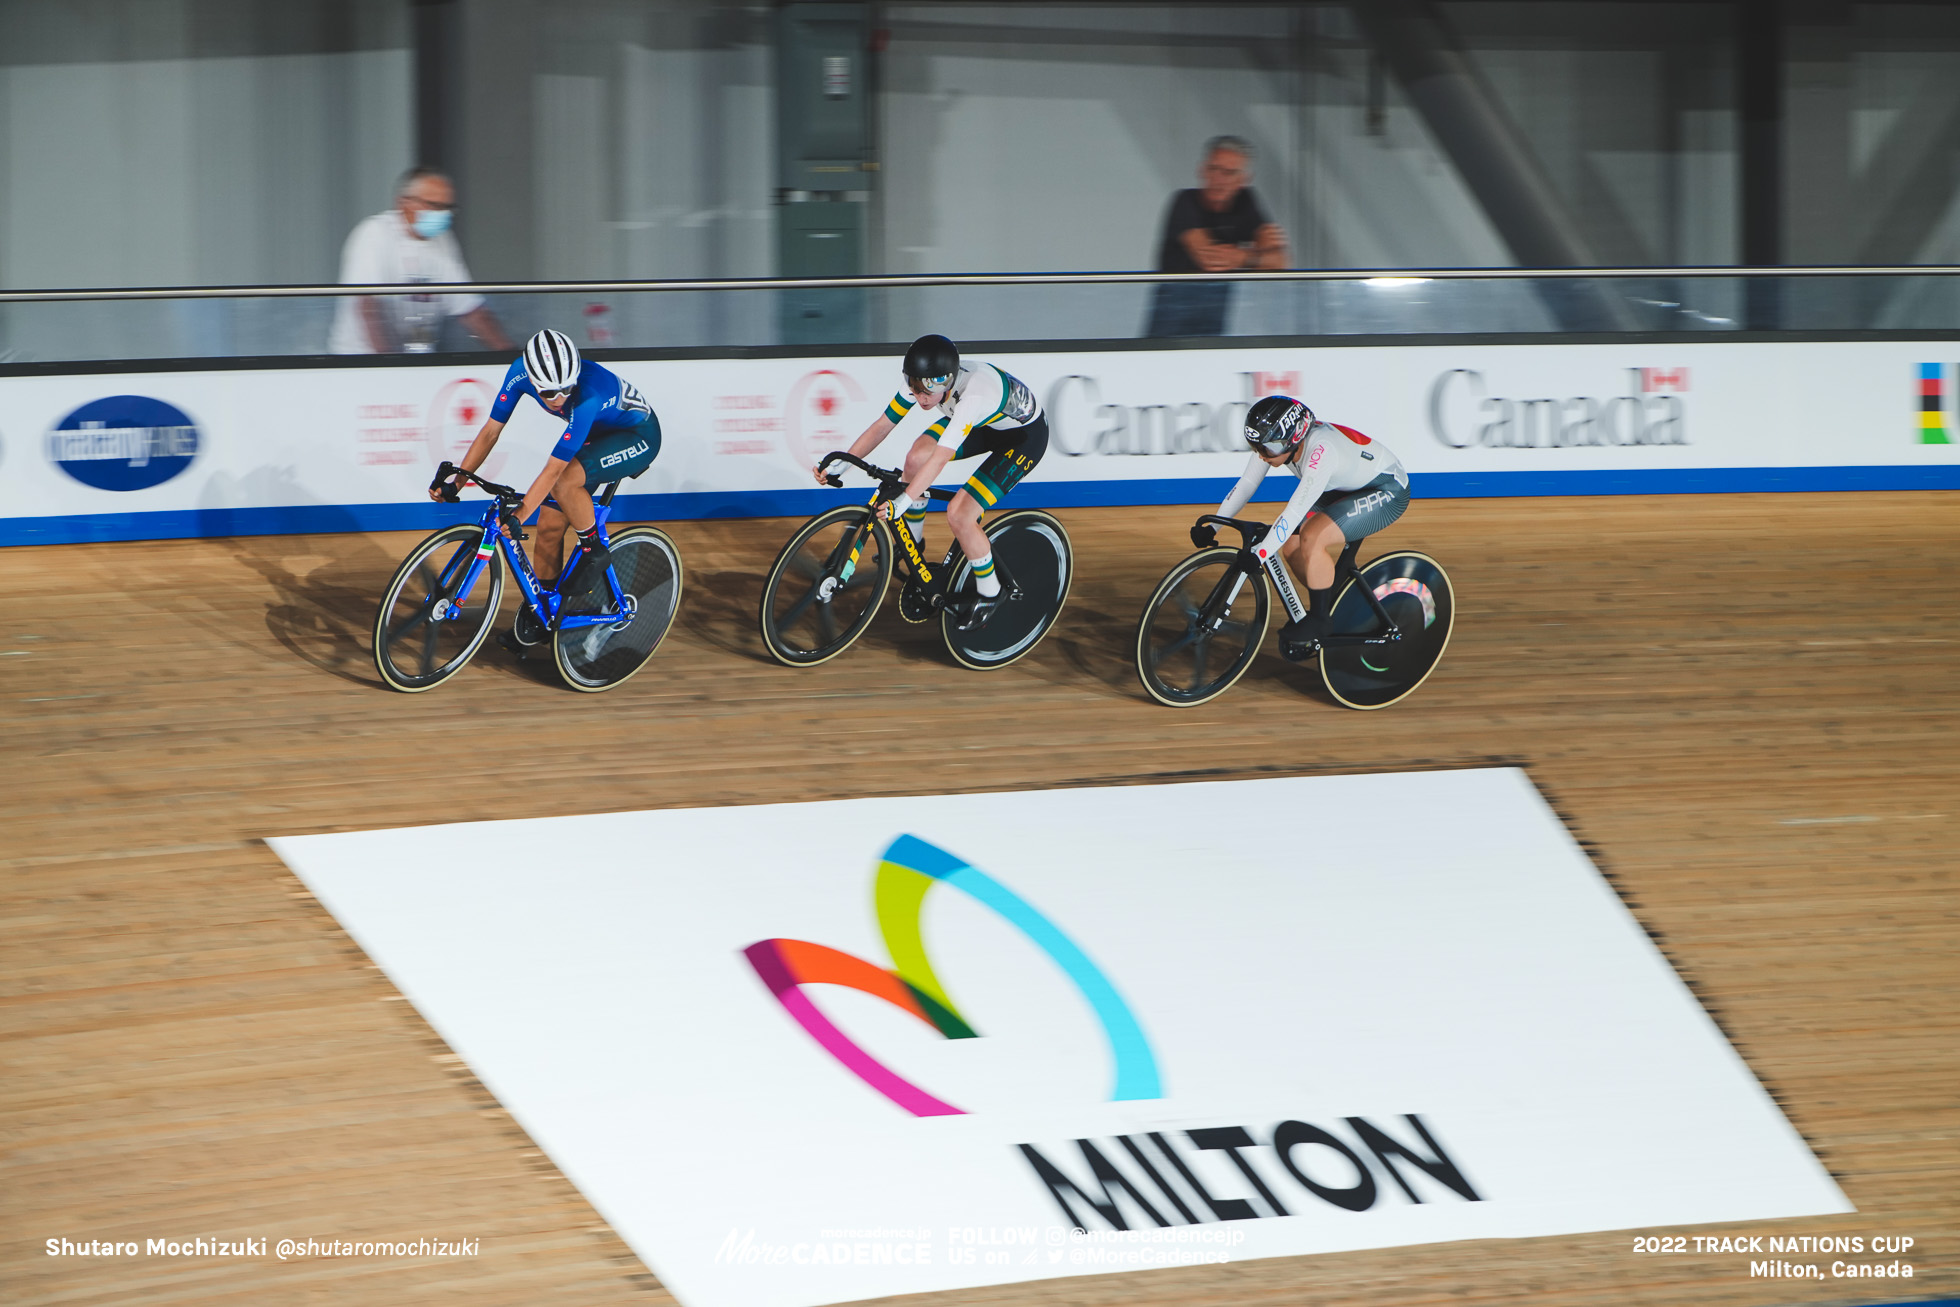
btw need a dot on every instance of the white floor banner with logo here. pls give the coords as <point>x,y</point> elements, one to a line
<point>808,1053</point>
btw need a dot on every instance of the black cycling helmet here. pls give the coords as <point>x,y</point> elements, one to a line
<point>931,363</point>
<point>1277,424</point>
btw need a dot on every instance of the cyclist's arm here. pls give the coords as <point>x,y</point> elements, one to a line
<point>486,440</point>
<point>921,484</point>
<point>554,467</point>
<point>1255,472</point>
<point>1313,484</point>
<point>874,435</point>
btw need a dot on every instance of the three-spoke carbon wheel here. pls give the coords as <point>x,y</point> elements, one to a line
<point>1415,592</point>
<point>1201,629</point>
<point>1033,557</point>
<point>594,658</point>
<point>422,634</point>
<point>825,586</point>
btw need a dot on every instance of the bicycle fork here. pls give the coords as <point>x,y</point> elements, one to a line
<point>843,562</point>
<point>1219,605</point>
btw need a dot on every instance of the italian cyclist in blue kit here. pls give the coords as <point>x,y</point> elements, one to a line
<point>983,410</point>
<point>611,433</point>
<point>1350,487</point>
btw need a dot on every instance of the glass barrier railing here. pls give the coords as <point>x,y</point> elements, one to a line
<point>54,327</point>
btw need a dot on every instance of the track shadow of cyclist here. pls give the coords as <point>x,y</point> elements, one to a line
<point>718,609</point>
<point>322,612</point>
<point>324,592</point>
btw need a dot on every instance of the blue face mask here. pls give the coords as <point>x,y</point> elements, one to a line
<point>431,223</point>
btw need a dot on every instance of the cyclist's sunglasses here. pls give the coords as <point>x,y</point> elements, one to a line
<point>926,385</point>
<point>552,396</point>
<point>1286,437</point>
<point>1275,445</point>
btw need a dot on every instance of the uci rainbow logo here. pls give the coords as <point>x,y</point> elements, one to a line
<point>907,872</point>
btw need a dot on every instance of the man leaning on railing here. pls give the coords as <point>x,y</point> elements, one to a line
<point>1217,227</point>
<point>410,244</point>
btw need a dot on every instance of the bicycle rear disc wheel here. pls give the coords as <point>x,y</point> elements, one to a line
<point>821,595</point>
<point>1031,551</point>
<point>594,658</point>
<point>421,636</point>
<point>1415,591</point>
<point>1184,660</point>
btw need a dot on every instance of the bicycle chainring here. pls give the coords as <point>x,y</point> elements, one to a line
<point>527,630</point>
<point>917,602</point>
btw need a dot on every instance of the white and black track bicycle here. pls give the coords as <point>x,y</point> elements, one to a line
<point>1390,623</point>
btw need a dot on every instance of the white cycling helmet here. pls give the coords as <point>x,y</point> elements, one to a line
<point>551,360</point>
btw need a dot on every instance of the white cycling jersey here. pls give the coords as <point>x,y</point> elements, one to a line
<point>1332,458</point>
<point>982,396</point>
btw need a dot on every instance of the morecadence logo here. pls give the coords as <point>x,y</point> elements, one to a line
<point>907,872</point>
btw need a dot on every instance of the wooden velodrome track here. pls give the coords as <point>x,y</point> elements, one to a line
<point>1745,706</point>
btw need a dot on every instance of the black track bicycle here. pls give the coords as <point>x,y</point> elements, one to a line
<point>1390,623</point>
<point>827,583</point>
<point>442,602</point>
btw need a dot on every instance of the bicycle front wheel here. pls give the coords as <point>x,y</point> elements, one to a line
<point>825,586</point>
<point>424,632</point>
<point>1201,629</point>
<point>1415,592</point>
<point>594,658</point>
<point>1033,555</point>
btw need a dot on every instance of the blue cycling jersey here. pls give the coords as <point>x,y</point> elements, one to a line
<point>600,401</point>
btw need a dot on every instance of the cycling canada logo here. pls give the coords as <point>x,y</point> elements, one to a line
<point>455,416</point>
<point>909,869</point>
<point>817,414</point>
<point>124,442</point>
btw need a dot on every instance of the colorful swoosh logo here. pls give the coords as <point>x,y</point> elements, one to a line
<point>908,870</point>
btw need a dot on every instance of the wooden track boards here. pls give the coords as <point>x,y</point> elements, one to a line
<point>1744,705</point>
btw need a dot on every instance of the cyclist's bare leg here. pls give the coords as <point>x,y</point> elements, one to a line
<point>915,457</point>
<point>548,545</point>
<point>574,504</point>
<point>1312,550</point>
<point>963,516</point>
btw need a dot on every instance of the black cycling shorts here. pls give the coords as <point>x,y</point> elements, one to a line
<point>1012,454</point>
<point>1367,510</point>
<point>617,453</point>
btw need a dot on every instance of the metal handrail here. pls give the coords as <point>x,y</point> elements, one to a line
<point>964,279</point>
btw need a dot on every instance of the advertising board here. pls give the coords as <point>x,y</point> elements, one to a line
<point>126,456</point>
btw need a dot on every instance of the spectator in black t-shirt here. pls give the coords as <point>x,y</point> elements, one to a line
<point>1218,227</point>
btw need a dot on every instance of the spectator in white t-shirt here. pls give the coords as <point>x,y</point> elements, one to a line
<point>410,244</point>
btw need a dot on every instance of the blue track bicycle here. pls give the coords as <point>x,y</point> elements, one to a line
<point>443,600</point>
